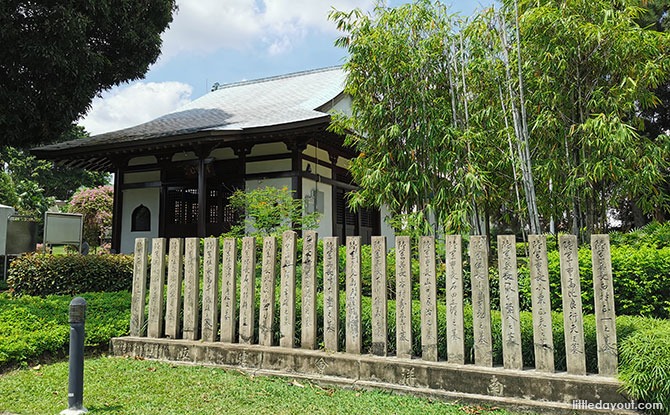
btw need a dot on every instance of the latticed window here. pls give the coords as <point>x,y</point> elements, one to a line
<point>182,205</point>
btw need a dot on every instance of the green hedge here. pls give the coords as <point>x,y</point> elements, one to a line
<point>44,274</point>
<point>641,283</point>
<point>32,327</point>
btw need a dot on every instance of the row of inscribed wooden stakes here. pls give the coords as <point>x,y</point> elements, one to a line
<point>210,317</point>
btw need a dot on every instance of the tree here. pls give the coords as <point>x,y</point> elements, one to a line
<point>270,211</point>
<point>541,100</point>
<point>410,119</point>
<point>31,185</point>
<point>590,69</point>
<point>57,56</point>
<point>96,206</point>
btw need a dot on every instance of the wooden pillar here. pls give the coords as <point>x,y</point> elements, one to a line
<point>202,198</point>
<point>117,209</point>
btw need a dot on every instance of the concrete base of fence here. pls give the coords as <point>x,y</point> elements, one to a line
<point>519,389</point>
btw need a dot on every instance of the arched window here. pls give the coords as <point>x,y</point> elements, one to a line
<point>141,219</point>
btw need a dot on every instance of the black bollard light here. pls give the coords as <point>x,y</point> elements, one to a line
<point>75,393</point>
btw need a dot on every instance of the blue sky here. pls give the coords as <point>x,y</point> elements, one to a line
<point>228,41</point>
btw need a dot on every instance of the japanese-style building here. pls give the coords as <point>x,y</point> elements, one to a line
<point>173,175</point>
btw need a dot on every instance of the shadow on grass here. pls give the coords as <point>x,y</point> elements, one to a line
<point>101,409</point>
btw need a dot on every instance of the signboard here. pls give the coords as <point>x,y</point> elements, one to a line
<point>63,228</point>
<point>21,235</point>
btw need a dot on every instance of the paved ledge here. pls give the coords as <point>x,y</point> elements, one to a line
<point>519,389</point>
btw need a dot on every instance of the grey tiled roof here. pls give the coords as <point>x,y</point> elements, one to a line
<point>241,106</point>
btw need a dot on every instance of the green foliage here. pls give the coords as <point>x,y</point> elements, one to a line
<point>437,100</point>
<point>91,46</point>
<point>270,211</point>
<point>655,234</point>
<point>33,327</point>
<point>31,185</point>
<point>408,121</point>
<point>40,274</point>
<point>641,285</point>
<point>645,365</point>
<point>96,206</point>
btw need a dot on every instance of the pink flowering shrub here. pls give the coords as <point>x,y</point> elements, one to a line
<point>96,206</point>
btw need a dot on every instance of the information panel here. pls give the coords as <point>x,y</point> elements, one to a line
<point>63,228</point>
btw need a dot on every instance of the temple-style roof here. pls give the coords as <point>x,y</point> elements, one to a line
<point>232,112</point>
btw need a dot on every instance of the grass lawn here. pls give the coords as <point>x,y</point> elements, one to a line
<point>129,386</point>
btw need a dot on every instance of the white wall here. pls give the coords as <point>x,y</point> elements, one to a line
<point>132,198</point>
<point>386,230</point>
<point>326,221</point>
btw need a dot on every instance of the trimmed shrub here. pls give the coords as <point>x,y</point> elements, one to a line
<point>641,283</point>
<point>44,274</point>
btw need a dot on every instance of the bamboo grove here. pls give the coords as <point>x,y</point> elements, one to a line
<point>526,117</point>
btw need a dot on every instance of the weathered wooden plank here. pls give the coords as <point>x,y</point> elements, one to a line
<point>428,298</point>
<point>268,276</point>
<point>228,290</point>
<point>572,305</point>
<point>353,290</point>
<point>403,280</point>
<point>454,286</point>
<point>481,308</point>
<point>287,294</point>
<point>509,302</point>
<point>331,292</point>
<point>603,288</point>
<point>191,288</point>
<point>247,290</point>
<point>174,282</point>
<point>543,339</point>
<point>156,289</point>
<point>210,278</point>
<point>308,309</point>
<point>379,309</point>
<point>138,300</point>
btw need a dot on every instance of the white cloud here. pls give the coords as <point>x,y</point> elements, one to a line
<point>204,26</point>
<point>134,104</point>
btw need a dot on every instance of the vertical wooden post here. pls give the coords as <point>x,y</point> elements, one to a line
<point>331,294</point>
<point>210,277</point>
<point>509,302</point>
<point>572,305</point>
<point>379,310</point>
<point>156,289</point>
<point>247,290</point>
<point>138,301</point>
<point>428,297</point>
<point>481,309</point>
<point>228,290</point>
<point>268,276</point>
<point>403,311</point>
<point>603,294</point>
<point>287,294</point>
<point>454,286</point>
<point>192,288</point>
<point>539,285</point>
<point>308,310</point>
<point>174,282</point>
<point>353,290</point>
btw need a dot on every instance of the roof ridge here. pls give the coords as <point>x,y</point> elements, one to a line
<point>277,77</point>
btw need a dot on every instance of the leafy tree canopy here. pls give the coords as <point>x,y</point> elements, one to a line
<point>31,185</point>
<point>56,56</point>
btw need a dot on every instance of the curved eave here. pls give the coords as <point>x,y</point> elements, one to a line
<point>106,156</point>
